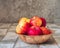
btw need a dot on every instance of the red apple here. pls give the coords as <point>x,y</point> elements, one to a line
<point>35,30</point>
<point>23,26</point>
<point>43,22</point>
<point>22,29</point>
<point>45,30</point>
<point>19,30</point>
<point>36,21</point>
<point>23,19</point>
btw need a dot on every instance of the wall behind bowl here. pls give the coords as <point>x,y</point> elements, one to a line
<point>13,10</point>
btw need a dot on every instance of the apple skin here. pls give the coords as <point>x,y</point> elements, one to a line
<point>23,19</point>
<point>46,31</point>
<point>43,22</point>
<point>23,25</point>
<point>19,30</point>
<point>34,30</point>
<point>22,29</point>
<point>35,21</point>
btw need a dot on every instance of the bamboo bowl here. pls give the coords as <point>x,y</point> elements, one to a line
<point>35,39</point>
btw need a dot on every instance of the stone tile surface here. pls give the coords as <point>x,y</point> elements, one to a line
<point>29,47</point>
<point>1,37</point>
<point>57,39</point>
<point>14,24</point>
<point>22,44</point>
<point>51,43</point>
<point>48,46</point>
<point>12,28</point>
<point>5,25</point>
<point>1,24</point>
<point>3,32</point>
<point>6,45</point>
<point>53,26</point>
<point>10,36</point>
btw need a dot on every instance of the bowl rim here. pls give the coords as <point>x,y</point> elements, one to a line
<point>35,35</point>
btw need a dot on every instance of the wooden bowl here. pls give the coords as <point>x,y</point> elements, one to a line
<point>35,39</point>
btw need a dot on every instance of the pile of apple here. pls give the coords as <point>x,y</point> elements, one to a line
<point>33,26</point>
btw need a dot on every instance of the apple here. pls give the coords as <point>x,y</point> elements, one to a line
<point>45,30</point>
<point>36,21</point>
<point>43,22</point>
<point>22,29</point>
<point>35,30</point>
<point>19,30</point>
<point>23,19</point>
<point>23,26</point>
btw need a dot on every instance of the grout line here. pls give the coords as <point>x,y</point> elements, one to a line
<point>9,27</point>
<point>38,46</point>
<point>6,34</point>
<point>7,31</point>
<point>56,42</point>
<point>15,42</point>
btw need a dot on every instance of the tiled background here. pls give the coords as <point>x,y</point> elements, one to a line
<point>12,10</point>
